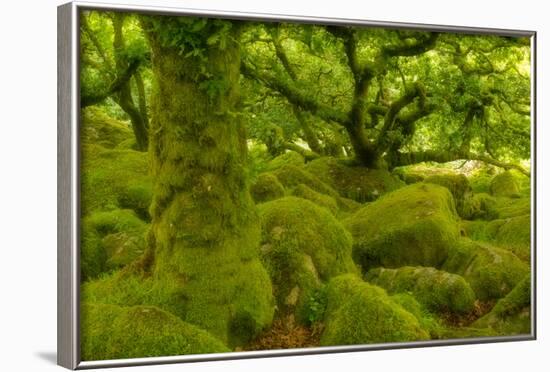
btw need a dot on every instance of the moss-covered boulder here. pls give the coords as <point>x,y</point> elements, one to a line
<point>288,158</point>
<point>491,272</point>
<point>303,245</point>
<point>115,179</point>
<point>123,248</point>
<point>360,313</point>
<point>110,240</point>
<point>427,320</point>
<point>505,184</point>
<point>93,258</point>
<point>291,176</point>
<point>99,128</point>
<point>437,290</point>
<point>480,179</point>
<point>353,181</point>
<point>480,206</point>
<point>322,200</point>
<point>459,187</point>
<point>415,225</point>
<point>508,208</point>
<point>114,332</point>
<point>266,187</point>
<point>514,234</point>
<point>114,221</point>
<point>408,175</point>
<point>512,314</point>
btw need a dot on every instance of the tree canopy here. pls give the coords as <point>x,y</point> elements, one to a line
<point>383,97</point>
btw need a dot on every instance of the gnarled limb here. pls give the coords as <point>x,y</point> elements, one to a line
<point>409,158</point>
<point>414,49</point>
<point>114,87</point>
<point>295,96</point>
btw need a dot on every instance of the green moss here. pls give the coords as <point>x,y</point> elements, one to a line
<point>512,234</point>
<point>291,176</point>
<point>511,314</point>
<point>203,260</point>
<point>129,144</point>
<point>507,208</point>
<point>123,248</point>
<point>426,319</point>
<point>475,230</point>
<point>110,240</point>
<point>93,257</point>
<point>267,187</point>
<point>480,206</point>
<point>491,272</point>
<point>325,201</point>
<point>348,205</point>
<point>233,301</point>
<point>408,175</point>
<point>138,198</point>
<point>435,289</point>
<point>219,288</point>
<point>303,245</point>
<point>480,179</point>
<point>288,158</point>
<point>114,221</point>
<point>459,187</point>
<point>515,235</point>
<point>113,179</point>
<point>354,182</point>
<point>99,128</point>
<point>415,225</point>
<point>361,313</point>
<point>113,332</point>
<point>504,184</point>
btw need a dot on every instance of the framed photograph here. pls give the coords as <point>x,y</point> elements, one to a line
<point>239,185</point>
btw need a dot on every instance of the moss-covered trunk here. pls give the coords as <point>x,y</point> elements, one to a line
<point>365,154</point>
<point>205,232</point>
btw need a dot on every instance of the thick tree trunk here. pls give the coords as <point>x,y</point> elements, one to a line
<point>205,232</point>
<point>365,154</point>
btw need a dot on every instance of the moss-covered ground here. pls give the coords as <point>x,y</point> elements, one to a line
<point>328,253</point>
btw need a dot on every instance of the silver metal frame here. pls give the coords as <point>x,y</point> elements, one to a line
<point>68,178</point>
